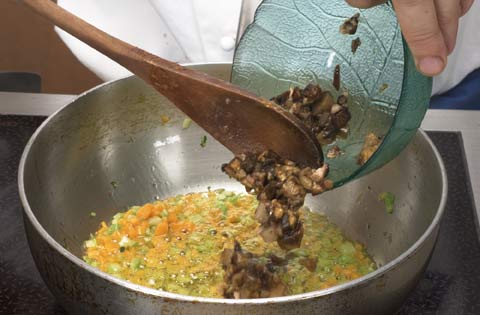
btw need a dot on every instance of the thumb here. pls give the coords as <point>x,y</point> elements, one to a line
<point>419,23</point>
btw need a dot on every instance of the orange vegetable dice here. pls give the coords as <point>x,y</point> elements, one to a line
<point>158,208</point>
<point>145,212</point>
<point>178,227</point>
<point>162,228</point>
<point>130,229</point>
<point>172,217</point>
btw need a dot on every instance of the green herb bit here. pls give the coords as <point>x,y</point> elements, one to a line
<point>186,123</point>
<point>388,199</point>
<point>114,184</point>
<point>203,141</point>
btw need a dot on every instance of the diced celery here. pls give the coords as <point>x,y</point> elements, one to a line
<point>221,196</point>
<point>322,263</point>
<point>389,200</point>
<point>125,241</point>
<point>113,228</point>
<point>196,218</point>
<point>195,237</point>
<point>223,207</point>
<point>206,246</point>
<point>135,209</point>
<point>154,220</point>
<point>347,248</point>
<point>113,268</point>
<point>136,263</point>
<point>233,199</point>
<point>186,123</point>
<point>90,261</point>
<point>91,243</point>
<point>345,259</point>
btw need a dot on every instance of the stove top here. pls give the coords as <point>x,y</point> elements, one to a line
<point>451,284</point>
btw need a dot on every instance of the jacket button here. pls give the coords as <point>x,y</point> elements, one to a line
<point>227,43</point>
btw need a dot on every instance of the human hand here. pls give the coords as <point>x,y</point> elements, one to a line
<point>429,27</point>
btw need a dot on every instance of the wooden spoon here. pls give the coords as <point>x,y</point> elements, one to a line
<point>238,119</point>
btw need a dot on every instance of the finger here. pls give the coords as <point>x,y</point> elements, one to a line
<point>448,13</point>
<point>466,5</point>
<point>419,24</point>
<point>364,4</point>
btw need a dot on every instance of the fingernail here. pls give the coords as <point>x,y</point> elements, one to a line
<point>431,65</point>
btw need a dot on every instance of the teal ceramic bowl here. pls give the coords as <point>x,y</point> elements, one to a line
<point>296,42</point>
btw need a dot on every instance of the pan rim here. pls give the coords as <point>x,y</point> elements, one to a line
<point>29,214</point>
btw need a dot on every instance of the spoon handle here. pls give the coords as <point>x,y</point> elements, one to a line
<point>238,119</point>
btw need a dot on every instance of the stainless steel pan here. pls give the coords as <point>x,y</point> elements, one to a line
<point>108,150</point>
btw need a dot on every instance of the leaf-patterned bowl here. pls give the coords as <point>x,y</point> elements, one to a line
<point>296,42</point>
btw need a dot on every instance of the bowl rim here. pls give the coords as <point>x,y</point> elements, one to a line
<point>28,214</point>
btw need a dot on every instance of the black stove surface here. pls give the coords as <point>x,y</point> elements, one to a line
<point>451,284</point>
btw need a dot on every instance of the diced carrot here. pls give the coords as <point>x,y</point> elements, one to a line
<point>337,269</point>
<point>172,217</point>
<point>347,273</point>
<point>331,282</point>
<point>134,220</point>
<point>158,208</point>
<point>179,227</point>
<point>234,219</point>
<point>111,246</point>
<point>130,230</point>
<point>145,212</point>
<point>103,227</point>
<point>162,228</point>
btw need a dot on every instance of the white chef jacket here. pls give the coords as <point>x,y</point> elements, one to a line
<point>205,31</point>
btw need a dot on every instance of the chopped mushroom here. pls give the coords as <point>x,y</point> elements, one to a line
<point>355,44</point>
<point>309,263</point>
<point>317,110</point>
<point>371,144</point>
<point>281,187</point>
<point>334,152</point>
<point>349,27</point>
<point>247,277</point>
